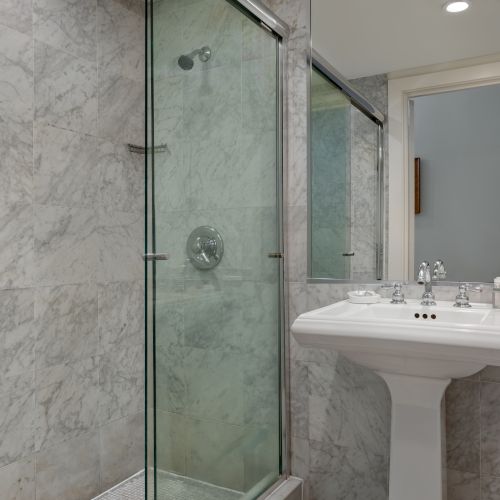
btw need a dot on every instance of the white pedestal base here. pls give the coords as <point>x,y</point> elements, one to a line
<point>416,470</point>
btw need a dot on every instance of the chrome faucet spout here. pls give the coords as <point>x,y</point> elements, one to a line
<point>425,278</point>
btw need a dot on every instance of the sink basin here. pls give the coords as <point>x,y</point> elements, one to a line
<point>417,350</point>
<point>440,341</point>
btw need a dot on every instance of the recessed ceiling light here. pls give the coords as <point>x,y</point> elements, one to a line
<point>456,6</point>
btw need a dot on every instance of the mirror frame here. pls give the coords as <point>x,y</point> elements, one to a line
<point>320,64</point>
<point>400,238</point>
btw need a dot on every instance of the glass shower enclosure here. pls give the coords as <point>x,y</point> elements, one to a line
<point>213,258</point>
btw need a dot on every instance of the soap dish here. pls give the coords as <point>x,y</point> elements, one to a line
<point>363,297</point>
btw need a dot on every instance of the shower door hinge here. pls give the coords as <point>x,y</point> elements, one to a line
<point>155,256</point>
<point>276,255</point>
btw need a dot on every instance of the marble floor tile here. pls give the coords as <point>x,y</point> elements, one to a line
<point>17,480</point>
<point>66,324</point>
<point>17,333</point>
<point>65,90</point>
<point>69,470</point>
<point>65,245</point>
<point>67,25</point>
<point>66,170</point>
<point>463,426</point>
<point>121,449</point>
<point>67,398</point>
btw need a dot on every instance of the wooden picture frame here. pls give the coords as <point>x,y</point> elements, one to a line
<point>418,207</point>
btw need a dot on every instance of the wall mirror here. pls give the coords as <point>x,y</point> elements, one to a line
<point>404,150</point>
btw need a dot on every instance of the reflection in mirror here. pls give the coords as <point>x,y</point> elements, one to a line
<point>345,181</point>
<point>456,138</point>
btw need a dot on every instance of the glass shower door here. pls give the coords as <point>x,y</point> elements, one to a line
<point>214,203</point>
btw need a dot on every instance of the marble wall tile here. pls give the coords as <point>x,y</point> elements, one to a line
<point>17,336</point>
<point>69,470</point>
<point>344,473</point>
<point>299,399</point>
<point>212,104</point>
<point>214,385</point>
<point>259,93</point>
<point>122,177</point>
<point>66,168</point>
<point>121,40</point>
<point>16,259</point>
<point>65,245</point>
<point>66,324</point>
<point>214,452</point>
<point>463,485</point>
<point>67,25</point>
<point>67,397</point>
<point>17,15</point>
<point>121,382</point>
<point>490,429</point>
<point>490,487</point>
<point>120,240</point>
<point>16,111</point>
<point>121,450</point>
<point>296,13</point>
<point>121,314</point>
<point>18,480</point>
<point>297,243</point>
<point>171,441</point>
<point>490,373</point>
<point>65,90</point>
<point>16,418</point>
<point>119,123</point>
<point>171,394</point>
<point>463,426</point>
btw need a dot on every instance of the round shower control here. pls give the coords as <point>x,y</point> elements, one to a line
<point>205,248</point>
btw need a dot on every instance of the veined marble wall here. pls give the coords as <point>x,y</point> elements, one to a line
<point>71,237</point>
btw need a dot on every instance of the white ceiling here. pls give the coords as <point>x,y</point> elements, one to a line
<point>367,37</point>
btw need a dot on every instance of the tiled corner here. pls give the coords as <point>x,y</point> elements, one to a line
<point>69,470</point>
<point>121,449</point>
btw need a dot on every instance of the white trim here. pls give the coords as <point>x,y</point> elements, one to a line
<point>401,90</point>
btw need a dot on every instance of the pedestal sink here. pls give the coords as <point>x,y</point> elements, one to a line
<point>417,350</point>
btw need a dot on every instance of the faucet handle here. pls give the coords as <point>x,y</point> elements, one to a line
<point>398,296</point>
<point>462,299</point>
<point>439,270</point>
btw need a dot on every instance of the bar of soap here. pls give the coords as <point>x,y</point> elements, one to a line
<point>363,297</point>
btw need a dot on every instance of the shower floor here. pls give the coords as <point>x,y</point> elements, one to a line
<point>170,487</point>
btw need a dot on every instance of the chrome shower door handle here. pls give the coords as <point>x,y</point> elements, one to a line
<point>155,256</point>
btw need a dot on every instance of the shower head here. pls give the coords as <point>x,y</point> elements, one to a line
<point>186,61</point>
